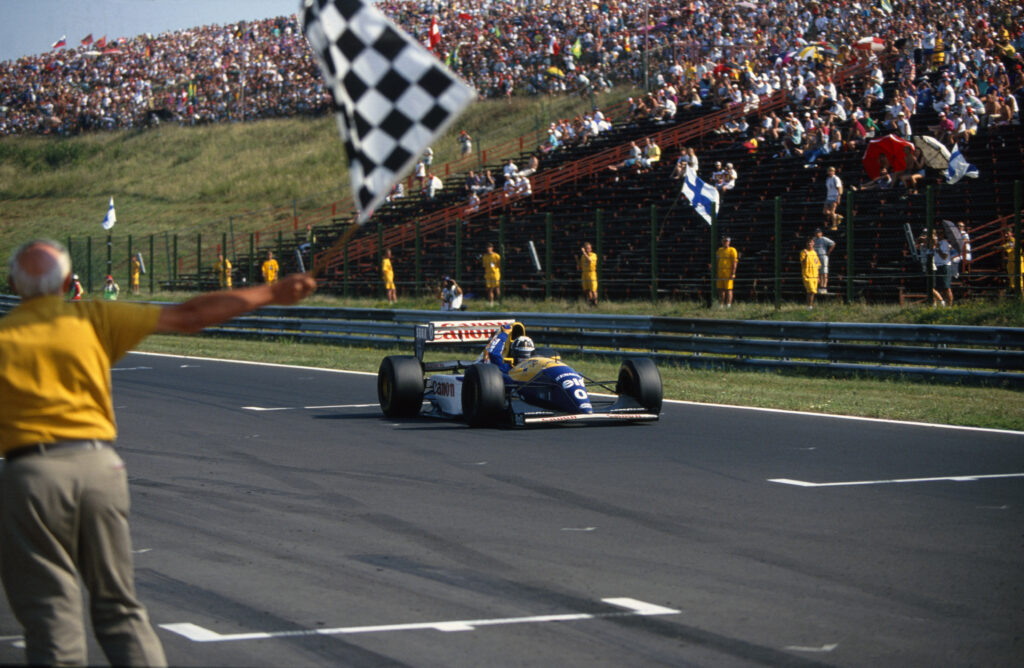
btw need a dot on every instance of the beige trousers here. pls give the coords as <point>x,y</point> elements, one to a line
<point>64,515</point>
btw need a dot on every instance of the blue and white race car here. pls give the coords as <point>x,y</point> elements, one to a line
<point>511,382</point>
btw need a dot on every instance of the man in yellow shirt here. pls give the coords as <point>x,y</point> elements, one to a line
<point>726,259</point>
<point>387,274</point>
<point>492,273</point>
<point>64,503</point>
<point>587,264</point>
<point>810,265</point>
<point>136,270</point>
<point>270,269</point>
<point>223,271</point>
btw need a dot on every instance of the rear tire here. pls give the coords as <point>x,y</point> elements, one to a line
<point>400,386</point>
<point>483,395</point>
<point>639,378</point>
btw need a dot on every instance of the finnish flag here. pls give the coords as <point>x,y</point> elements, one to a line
<point>111,217</point>
<point>959,167</point>
<point>702,196</point>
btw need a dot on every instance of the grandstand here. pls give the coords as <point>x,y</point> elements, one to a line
<point>779,58</point>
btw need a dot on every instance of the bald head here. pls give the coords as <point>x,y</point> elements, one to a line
<point>40,267</point>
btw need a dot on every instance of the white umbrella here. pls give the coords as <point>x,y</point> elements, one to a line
<point>935,154</point>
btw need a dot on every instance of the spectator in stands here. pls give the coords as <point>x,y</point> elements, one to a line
<point>718,176</point>
<point>729,177</point>
<point>586,262</point>
<point>111,289</point>
<point>465,143</point>
<point>523,187</point>
<point>823,246</point>
<point>833,191</point>
<point>631,161</point>
<point>270,269</point>
<point>726,261</point>
<point>510,170</point>
<point>810,267</point>
<point>387,277</point>
<point>652,154</point>
<point>881,182</point>
<point>420,172</point>
<point>531,167</point>
<point>434,185</point>
<point>679,168</point>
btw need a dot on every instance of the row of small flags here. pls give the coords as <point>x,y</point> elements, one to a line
<point>86,41</point>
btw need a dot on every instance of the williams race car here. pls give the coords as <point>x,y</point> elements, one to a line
<point>511,382</point>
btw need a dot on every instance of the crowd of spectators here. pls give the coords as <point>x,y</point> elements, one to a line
<point>691,55</point>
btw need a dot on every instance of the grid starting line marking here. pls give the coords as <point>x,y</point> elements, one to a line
<point>897,481</point>
<point>633,608</point>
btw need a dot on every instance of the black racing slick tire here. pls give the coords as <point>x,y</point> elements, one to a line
<point>483,396</point>
<point>400,386</point>
<point>639,378</point>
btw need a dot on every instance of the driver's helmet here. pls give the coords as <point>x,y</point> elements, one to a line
<point>522,349</point>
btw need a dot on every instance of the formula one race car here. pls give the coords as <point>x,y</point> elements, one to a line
<point>511,382</point>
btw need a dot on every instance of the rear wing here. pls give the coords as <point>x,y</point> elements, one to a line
<point>456,331</point>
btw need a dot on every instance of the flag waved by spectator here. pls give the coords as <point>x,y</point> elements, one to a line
<point>703,197</point>
<point>391,96</point>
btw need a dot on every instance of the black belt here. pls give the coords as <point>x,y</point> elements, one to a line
<point>47,448</point>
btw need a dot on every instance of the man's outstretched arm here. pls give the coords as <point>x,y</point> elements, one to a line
<point>217,307</point>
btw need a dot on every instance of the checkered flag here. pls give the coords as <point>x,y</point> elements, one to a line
<point>391,96</point>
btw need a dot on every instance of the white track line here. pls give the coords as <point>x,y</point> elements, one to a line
<point>634,608</point>
<point>895,481</point>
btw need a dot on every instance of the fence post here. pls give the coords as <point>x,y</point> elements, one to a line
<point>713,242</point>
<point>778,253</point>
<point>174,266</point>
<point>654,253</point>
<point>418,275</point>
<point>88,264</point>
<point>501,245</point>
<point>345,283</point>
<point>252,258</point>
<point>129,259</point>
<point>152,263</point>
<point>929,216</point>
<point>110,250</point>
<point>231,229</point>
<point>849,247</point>
<point>280,245</point>
<point>199,260</point>
<point>547,255</point>
<point>458,250</point>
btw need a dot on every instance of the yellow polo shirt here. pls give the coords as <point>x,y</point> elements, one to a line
<point>55,360</point>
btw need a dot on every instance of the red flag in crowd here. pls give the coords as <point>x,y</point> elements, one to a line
<point>87,40</point>
<point>435,32</point>
<point>101,42</point>
<point>60,43</point>
<point>464,16</point>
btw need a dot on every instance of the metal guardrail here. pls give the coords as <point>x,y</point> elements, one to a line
<point>937,352</point>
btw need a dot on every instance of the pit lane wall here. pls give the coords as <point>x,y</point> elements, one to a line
<point>989,355</point>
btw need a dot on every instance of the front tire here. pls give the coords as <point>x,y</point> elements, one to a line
<point>400,386</point>
<point>483,395</point>
<point>639,378</point>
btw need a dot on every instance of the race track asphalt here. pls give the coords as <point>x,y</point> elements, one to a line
<point>280,520</point>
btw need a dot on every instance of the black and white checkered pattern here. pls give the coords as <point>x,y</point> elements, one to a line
<point>392,97</point>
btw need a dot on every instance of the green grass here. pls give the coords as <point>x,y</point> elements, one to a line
<point>185,180</point>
